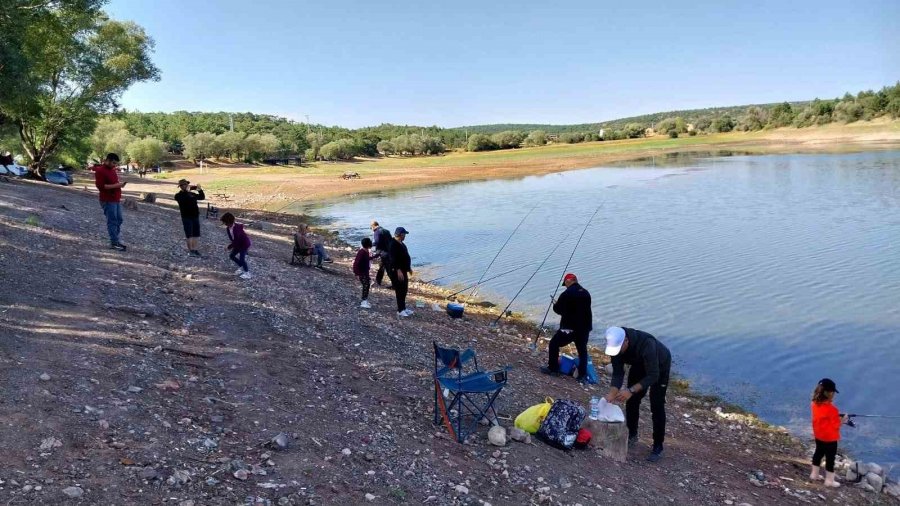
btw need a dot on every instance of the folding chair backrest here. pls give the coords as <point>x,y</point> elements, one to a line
<point>451,359</point>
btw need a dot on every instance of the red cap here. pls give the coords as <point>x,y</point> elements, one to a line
<point>569,277</point>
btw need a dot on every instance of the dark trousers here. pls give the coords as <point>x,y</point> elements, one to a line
<point>240,258</point>
<point>561,339</point>
<point>657,393</point>
<point>400,288</point>
<point>379,276</point>
<point>365,281</point>
<point>827,450</point>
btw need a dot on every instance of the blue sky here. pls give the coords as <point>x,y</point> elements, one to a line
<point>358,63</point>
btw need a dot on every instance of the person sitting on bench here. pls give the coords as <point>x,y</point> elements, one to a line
<point>305,242</point>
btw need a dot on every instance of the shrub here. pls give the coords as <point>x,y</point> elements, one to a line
<point>571,137</point>
<point>508,139</point>
<point>536,138</point>
<point>480,142</point>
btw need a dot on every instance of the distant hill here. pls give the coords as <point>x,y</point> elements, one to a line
<point>689,115</point>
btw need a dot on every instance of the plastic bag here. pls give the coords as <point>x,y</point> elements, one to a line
<point>610,412</point>
<point>530,419</point>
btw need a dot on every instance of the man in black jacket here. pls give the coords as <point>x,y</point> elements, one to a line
<point>575,324</point>
<point>650,363</point>
<point>190,214</point>
<point>399,270</point>
<point>381,239</point>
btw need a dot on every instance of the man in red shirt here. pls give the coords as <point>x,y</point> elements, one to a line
<point>106,177</point>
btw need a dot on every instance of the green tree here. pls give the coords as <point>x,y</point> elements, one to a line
<point>536,138</point>
<point>78,63</point>
<point>315,140</point>
<point>633,130</point>
<point>146,152</point>
<point>572,137</point>
<point>781,115</point>
<point>199,146</point>
<point>849,111</point>
<point>755,118</point>
<point>261,146</point>
<point>722,124</point>
<point>508,139</point>
<point>480,142</point>
<point>110,136</point>
<point>232,144</point>
<point>385,147</point>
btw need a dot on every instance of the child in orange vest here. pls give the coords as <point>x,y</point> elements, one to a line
<point>826,422</point>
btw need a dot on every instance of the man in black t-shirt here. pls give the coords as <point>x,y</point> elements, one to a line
<point>190,213</point>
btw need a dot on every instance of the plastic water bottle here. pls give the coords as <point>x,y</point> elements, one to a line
<point>595,408</point>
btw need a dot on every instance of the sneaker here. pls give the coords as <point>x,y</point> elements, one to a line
<point>409,312</point>
<point>655,455</point>
<point>329,261</point>
<point>194,253</point>
<point>365,305</point>
<point>118,246</point>
<point>239,271</point>
<point>583,381</point>
<point>548,371</point>
<point>246,275</point>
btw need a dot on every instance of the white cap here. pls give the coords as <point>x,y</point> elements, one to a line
<point>615,336</point>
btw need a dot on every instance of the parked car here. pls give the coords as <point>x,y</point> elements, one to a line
<point>58,177</point>
<point>13,170</point>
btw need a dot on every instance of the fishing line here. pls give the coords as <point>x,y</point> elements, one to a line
<point>474,292</point>
<point>537,336</point>
<point>493,277</point>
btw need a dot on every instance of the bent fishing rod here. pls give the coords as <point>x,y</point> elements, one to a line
<point>483,274</point>
<point>492,277</point>
<point>533,345</point>
<point>502,313</point>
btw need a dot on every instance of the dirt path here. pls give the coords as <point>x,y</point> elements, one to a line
<point>167,376</point>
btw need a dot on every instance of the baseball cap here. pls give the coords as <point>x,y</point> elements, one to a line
<point>183,181</point>
<point>400,230</point>
<point>615,336</point>
<point>828,385</point>
<point>569,276</point>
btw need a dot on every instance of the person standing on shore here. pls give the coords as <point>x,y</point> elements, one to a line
<point>381,239</point>
<point>575,325</point>
<point>106,178</point>
<point>399,269</point>
<point>361,266</point>
<point>651,363</point>
<point>826,424</point>
<point>190,214</point>
<point>239,245</point>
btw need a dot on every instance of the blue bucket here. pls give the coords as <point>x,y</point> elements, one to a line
<point>455,310</point>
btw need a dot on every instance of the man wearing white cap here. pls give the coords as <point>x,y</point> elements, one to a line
<point>650,363</point>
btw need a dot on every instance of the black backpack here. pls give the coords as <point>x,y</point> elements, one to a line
<point>560,427</point>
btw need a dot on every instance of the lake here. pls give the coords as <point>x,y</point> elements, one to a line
<point>762,274</point>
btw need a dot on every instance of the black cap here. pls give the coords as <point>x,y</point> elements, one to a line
<point>828,385</point>
<point>400,230</point>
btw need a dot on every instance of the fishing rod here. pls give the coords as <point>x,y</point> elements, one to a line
<point>483,274</point>
<point>441,277</point>
<point>874,416</point>
<point>502,313</point>
<point>492,277</point>
<point>533,345</point>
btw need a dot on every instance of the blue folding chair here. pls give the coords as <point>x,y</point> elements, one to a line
<point>463,393</point>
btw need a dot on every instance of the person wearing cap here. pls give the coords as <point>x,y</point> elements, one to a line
<point>399,270</point>
<point>826,425</point>
<point>575,324</point>
<point>190,214</point>
<point>650,363</point>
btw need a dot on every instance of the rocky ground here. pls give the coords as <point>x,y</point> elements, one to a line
<point>148,377</point>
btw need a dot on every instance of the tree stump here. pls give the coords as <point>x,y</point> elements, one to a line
<point>130,204</point>
<point>148,197</point>
<point>610,438</point>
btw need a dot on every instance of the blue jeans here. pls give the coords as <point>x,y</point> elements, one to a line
<point>320,253</point>
<point>240,258</point>
<point>113,213</point>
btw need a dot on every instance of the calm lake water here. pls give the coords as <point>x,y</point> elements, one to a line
<point>761,273</point>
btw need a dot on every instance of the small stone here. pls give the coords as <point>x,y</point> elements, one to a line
<point>148,473</point>
<point>212,481</point>
<point>217,419</point>
<point>281,441</point>
<point>45,377</point>
<point>241,474</point>
<point>370,497</point>
<point>875,481</point>
<point>135,390</point>
<point>461,489</point>
<point>370,457</point>
<point>497,436</point>
<point>346,452</point>
<point>517,434</point>
<point>104,424</point>
<point>73,492</point>
<point>27,488</point>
